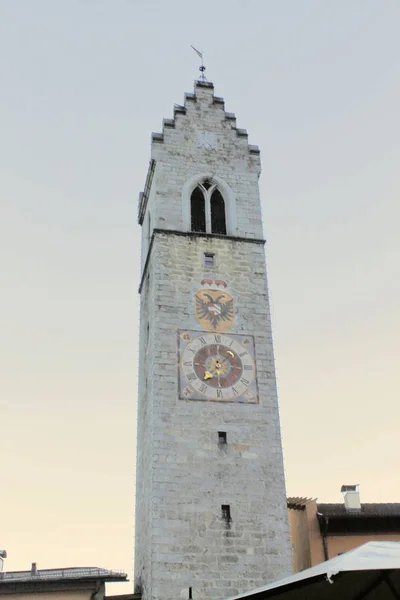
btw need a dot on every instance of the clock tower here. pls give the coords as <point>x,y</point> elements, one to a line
<point>211,518</point>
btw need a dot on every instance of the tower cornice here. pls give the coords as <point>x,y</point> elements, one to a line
<point>144,196</point>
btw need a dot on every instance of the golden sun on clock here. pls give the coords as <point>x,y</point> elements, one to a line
<point>217,366</point>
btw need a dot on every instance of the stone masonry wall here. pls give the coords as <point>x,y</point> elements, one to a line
<point>191,476</point>
<point>183,474</point>
<point>144,458</point>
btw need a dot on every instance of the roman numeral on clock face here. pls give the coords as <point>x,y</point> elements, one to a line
<point>202,388</point>
<point>191,376</point>
<point>219,394</point>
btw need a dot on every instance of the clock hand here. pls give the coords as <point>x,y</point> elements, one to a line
<point>207,375</point>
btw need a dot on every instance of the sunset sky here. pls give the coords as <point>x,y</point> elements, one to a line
<point>83,84</point>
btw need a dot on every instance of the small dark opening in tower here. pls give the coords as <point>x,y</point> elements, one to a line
<point>222,439</point>
<point>226,512</point>
<point>190,594</point>
<point>207,184</point>
<point>208,259</point>
<point>198,210</point>
<point>218,221</point>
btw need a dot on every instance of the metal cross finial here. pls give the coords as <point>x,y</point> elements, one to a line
<point>202,67</point>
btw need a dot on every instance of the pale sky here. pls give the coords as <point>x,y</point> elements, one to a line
<point>83,84</point>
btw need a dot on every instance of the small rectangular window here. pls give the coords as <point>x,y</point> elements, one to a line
<point>226,512</point>
<point>222,437</point>
<point>209,259</point>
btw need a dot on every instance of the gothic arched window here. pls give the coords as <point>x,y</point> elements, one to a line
<point>207,209</point>
<point>218,221</point>
<point>198,210</point>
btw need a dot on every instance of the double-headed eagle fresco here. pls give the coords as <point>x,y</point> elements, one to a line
<point>214,309</point>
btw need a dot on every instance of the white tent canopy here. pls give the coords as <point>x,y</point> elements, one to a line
<point>369,572</point>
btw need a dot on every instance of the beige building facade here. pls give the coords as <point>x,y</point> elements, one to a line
<point>53,595</point>
<point>321,531</point>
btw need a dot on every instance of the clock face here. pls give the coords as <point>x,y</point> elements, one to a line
<point>216,366</point>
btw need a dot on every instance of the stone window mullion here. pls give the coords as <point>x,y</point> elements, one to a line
<point>207,197</point>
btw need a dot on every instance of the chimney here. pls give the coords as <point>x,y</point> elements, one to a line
<point>3,555</point>
<point>351,496</point>
<point>34,569</point>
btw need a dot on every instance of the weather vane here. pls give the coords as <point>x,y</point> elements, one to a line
<point>202,67</point>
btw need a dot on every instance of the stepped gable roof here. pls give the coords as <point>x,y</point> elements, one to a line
<point>181,110</point>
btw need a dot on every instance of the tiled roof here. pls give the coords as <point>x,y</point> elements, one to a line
<point>367,510</point>
<point>62,575</point>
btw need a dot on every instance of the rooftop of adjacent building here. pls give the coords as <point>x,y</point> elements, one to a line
<point>372,509</point>
<point>338,509</point>
<point>71,573</point>
<point>352,517</point>
<point>322,530</point>
<point>89,580</point>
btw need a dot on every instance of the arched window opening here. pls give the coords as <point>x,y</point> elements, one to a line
<point>198,210</point>
<point>218,221</point>
<point>208,206</point>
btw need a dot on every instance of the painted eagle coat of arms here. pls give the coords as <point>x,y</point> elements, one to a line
<point>214,309</point>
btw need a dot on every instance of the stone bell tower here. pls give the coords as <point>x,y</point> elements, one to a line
<point>211,516</point>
